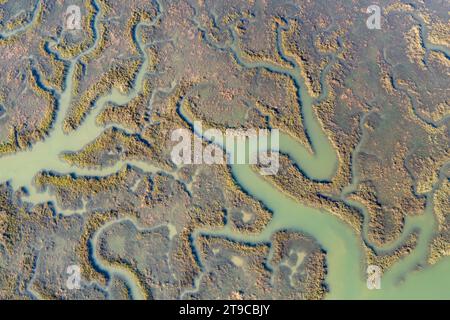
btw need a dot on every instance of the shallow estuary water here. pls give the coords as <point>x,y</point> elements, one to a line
<point>345,255</point>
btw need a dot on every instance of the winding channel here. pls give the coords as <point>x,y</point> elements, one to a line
<point>345,254</point>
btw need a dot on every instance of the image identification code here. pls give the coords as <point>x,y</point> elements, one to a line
<point>227,309</point>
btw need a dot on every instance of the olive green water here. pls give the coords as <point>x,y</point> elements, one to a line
<point>345,255</point>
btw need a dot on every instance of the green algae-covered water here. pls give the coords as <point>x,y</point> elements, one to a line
<point>346,276</point>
